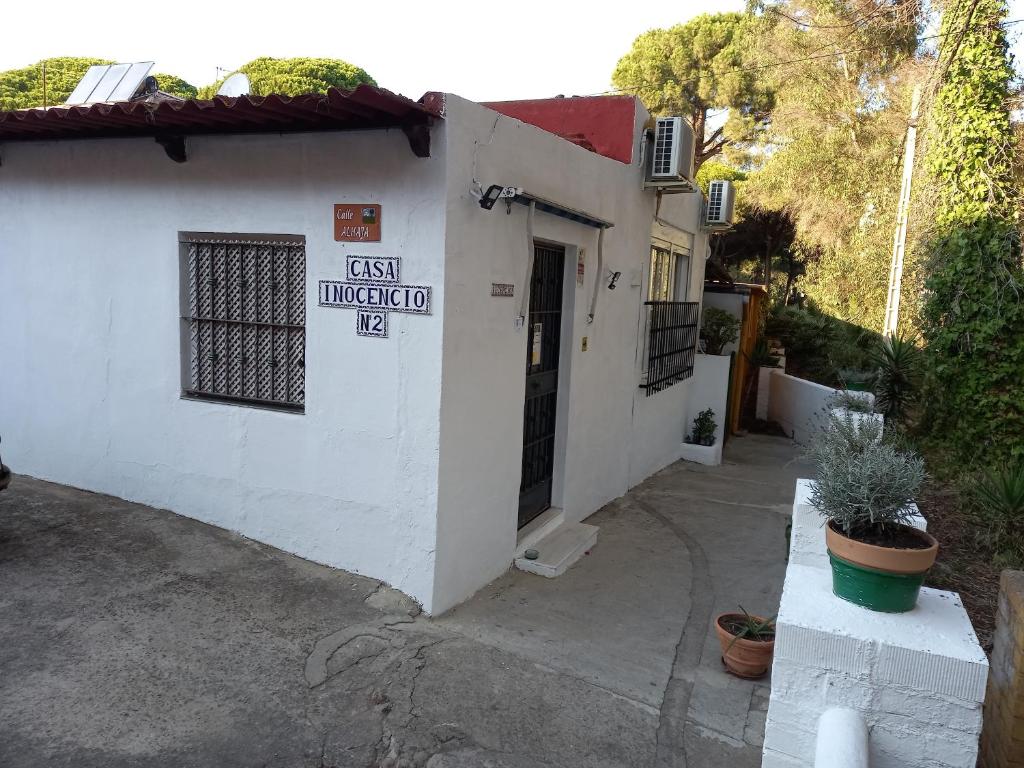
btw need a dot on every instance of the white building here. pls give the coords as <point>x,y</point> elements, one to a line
<point>170,334</point>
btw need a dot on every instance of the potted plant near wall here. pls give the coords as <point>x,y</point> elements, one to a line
<point>866,490</point>
<point>704,427</point>
<point>718,329</point>
<point>747,642</point>
<point>700,444</point>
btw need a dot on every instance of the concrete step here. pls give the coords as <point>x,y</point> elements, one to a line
<point>559,549</point>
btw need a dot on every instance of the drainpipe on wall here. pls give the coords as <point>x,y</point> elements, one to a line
<point>525,294</point>
<point>598,277</point>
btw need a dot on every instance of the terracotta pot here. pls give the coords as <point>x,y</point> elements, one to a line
<point>743,657</point>
<point>884,559</point>
<point>883,579</point>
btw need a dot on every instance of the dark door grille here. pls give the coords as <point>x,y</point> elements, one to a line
<point>543,334</point>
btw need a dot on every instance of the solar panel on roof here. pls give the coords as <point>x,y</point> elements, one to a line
<point>87,84</point>
<point>131,81</point>
<point>110,82</point>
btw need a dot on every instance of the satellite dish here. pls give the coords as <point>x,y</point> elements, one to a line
<point>236,85</point>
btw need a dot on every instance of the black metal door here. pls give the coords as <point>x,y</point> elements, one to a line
<point>543,333</point>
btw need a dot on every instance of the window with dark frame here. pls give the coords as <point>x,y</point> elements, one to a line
<point>243,318</point>
<point>671,326</point>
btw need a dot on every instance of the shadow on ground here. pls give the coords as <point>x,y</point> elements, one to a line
<point>131,636</point>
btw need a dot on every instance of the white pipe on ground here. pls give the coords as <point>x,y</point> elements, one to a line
<point>842,740</point>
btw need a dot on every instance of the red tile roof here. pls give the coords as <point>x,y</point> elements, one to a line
<point>362,108</point>
<point>602,124</point>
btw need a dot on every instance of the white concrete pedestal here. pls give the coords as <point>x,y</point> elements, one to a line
<point>918,678</point>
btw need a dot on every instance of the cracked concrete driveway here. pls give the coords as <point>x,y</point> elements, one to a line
<point>130,636</point>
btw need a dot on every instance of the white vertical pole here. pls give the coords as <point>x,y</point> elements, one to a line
<point>892,301</point>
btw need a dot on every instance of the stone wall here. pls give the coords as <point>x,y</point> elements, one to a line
<point>1002,740</point>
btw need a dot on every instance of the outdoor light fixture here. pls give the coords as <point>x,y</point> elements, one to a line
<point>496,192</point>
<point>613,278</point>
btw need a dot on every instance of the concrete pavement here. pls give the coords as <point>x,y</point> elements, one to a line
<point>130,636</point>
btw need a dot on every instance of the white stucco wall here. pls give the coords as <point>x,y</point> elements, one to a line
<point>610,436</point>
<point>90,371</point>
<point>391,471</point>
<point>797,405</point>
<point>710,389</point>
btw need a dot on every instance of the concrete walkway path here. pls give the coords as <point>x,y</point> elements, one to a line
<point>130,636</point>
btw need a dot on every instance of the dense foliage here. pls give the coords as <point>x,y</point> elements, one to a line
<point>695,68</point>
<point>821,347</point>
<point>973,314</point>
<point>23,88</point>
<point>831,155</point>
<point>293,77</point>
<point>718,329</point>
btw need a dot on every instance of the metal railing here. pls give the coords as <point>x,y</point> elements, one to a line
<point>671,343</point>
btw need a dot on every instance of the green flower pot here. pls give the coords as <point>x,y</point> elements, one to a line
<point>874,589</point>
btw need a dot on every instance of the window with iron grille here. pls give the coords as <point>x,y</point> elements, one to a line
<point>671,343</point>
<point>243,318</point>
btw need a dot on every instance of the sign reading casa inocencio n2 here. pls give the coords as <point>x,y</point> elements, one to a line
<point>372,287</point>
<point>357,223</point>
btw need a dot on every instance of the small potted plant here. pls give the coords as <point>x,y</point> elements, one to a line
<point>866,490</point>
<point>856,407</point>
<point>700,445</point>
<point>747,642</point>
<point>703,428</point>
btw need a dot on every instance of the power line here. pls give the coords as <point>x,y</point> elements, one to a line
<point>829,55</point>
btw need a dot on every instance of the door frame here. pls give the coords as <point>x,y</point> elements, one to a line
<point>565,356</point>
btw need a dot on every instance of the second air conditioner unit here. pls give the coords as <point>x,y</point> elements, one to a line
<point>720,212</point>
<point>672,155</point>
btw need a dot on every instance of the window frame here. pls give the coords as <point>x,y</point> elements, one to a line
<point>676,287</point>
<point>245,327</point>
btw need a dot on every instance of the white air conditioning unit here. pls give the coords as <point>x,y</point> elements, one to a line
<point>672,158</point>
<point>719,214</point>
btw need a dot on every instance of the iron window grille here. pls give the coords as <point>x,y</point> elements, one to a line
<point>671,343</point>
<point>243,318</point>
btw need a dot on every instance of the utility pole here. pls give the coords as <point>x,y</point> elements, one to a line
<point>899,243</point>
<point>44,84</point>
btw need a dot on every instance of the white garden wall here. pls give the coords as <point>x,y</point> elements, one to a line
<point>90,373</point>
<point>797,405</point>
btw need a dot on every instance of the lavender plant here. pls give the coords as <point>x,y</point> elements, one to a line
<point>858,402</point>
<point>863,483</point>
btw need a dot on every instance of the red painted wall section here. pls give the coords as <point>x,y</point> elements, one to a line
<point>602,124</point>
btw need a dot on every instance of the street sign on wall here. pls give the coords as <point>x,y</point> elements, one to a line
<point>357,222</point>
<point>372,287</point>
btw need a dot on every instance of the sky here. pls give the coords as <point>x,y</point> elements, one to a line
<point>481,50</point>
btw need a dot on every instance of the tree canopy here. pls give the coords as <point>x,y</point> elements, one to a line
<point>293,77</point>
<point>23,88</point>
<point>695,68</point>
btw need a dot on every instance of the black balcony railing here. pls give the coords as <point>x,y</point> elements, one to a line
<point>671,343</point>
